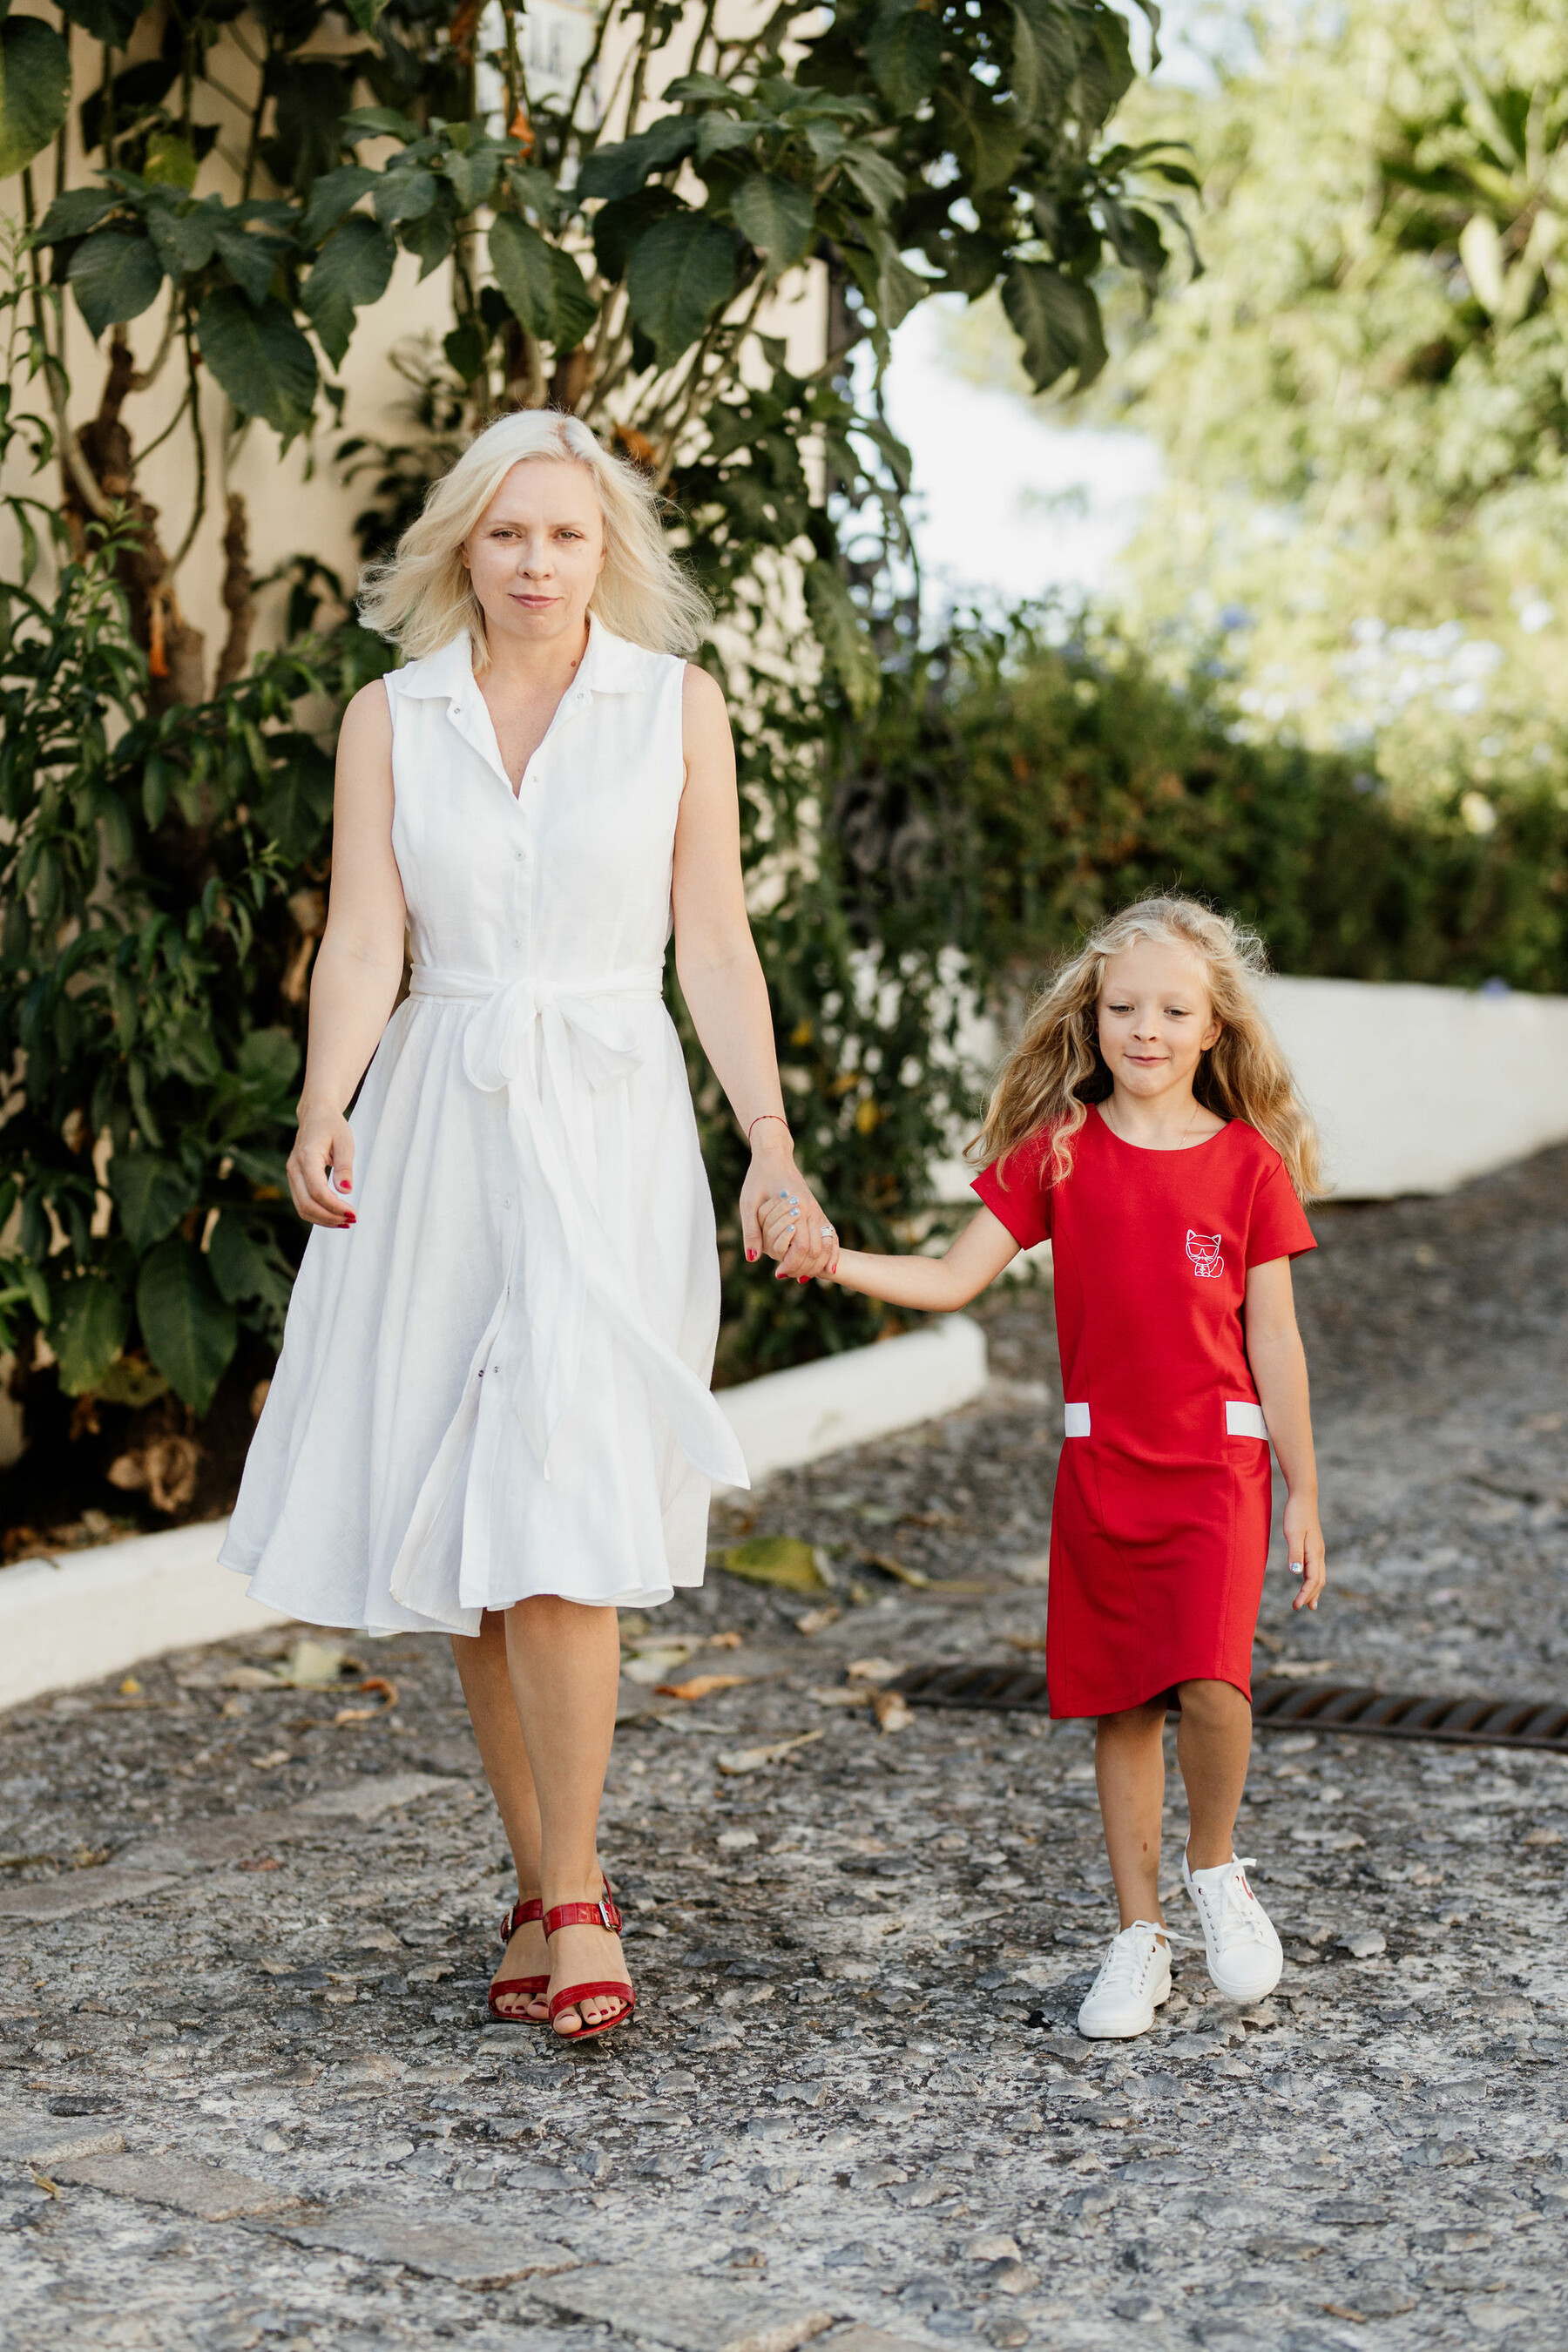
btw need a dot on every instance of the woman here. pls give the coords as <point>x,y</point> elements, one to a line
<point>492,1415</point>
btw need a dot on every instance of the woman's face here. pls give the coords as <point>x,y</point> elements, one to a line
<point>1155,1018</point>
<point>535,553</point>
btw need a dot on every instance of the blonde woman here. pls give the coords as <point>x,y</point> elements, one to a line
<point>491,1416</point>
<point>1147,1124</point>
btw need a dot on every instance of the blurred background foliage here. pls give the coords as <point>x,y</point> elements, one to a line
<point>1361,403</point>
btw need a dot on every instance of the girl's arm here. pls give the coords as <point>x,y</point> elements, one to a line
<point>936,1285</point>
<point>1278,1364</point>
<point>721,980</point>
<point>358,963</point>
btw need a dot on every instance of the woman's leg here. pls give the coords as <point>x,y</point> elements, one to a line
<point>1213,1742</point>
<point>1130,1767</point>
<point>492,1711</point>
<point>565,1661</point>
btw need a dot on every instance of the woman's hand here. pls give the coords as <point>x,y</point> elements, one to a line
<point>320,1168</point>
<point>1304,1549</point>
<point>798,1233</point>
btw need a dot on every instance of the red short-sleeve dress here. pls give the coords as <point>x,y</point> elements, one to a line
<point>1159,1527</point>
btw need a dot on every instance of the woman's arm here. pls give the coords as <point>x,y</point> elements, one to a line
<point>1278,1364</point>
<point>936,1285</point>
<point>721,980</point>
<point>358,963</point>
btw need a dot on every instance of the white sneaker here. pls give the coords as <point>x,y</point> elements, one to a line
<point>1244,1955</point>
<point>1135,1979</point>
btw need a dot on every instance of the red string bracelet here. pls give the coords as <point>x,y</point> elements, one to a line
<point>762,1115</point>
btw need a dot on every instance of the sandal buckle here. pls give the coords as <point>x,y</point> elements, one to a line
<point>603,1911</point>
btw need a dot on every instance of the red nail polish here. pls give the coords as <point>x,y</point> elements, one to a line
<point>750,1257</point>
<point>351,1220</point>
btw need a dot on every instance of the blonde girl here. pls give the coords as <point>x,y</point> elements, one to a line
<point>1147,1124</point>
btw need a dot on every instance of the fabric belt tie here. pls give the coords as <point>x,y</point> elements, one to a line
<point>550,1046</point>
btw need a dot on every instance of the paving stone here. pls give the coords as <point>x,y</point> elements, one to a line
<point>695,2314</point>
<point>221,1841</point>
<point>472,2253</point>
<point>364,1800</point>
<point>40,2143</point>
<point>80,1890</point>
<point>206,2190</point>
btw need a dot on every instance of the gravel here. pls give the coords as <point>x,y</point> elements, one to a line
<point>247,2096</point>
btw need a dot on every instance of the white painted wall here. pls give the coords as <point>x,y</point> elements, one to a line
<point>1414,1089</point>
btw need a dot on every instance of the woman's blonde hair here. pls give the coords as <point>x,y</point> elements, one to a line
<point>1055,1070</point>
<point>422,596</point>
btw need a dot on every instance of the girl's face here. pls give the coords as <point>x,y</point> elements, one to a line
<point>1155,1018</point>
<point>535,554</point>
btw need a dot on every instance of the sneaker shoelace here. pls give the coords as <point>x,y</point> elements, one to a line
<point>1127,1961</point>
<point>1237,1917</point>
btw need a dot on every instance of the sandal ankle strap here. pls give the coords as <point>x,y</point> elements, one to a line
<point>605,1913</point>
<point>521,1916</point>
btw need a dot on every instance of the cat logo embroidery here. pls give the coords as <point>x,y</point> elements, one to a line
<point>1204,1251</point>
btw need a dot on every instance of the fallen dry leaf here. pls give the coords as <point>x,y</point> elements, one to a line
<point>273,1758</point>
<point>856,1695</point>
<point>781,1560</point>
<point>817,1621</point>
<point>50,2188</point>
<point>872,1670</point>
<point>1026,1640</point>
<point>752,1759</point>
<point>249,1678</point>
<point>131,1687</point>
<point>892,1567</point>
<point>699,1685</point>
<point>725,1641</point>
<point>261,1862</point>
<point>891,1710</point>
<point>655,1665</point>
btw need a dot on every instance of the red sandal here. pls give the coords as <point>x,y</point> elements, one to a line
<point>531,1987</point>
<point>603,1913</point>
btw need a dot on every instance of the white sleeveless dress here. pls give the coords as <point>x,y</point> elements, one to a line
<point>497,1382</point>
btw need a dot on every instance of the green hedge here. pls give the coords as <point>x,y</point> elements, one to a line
<point>1012,790</point>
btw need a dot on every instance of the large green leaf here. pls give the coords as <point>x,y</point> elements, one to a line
<point>113,21</point>
<point>87,1331</point>
<point>842,634</point>
<point>268,1058</point>
<point>904,49</point>
<point>249,257</point>
<point>520,261</point>
<point>76,212</point>
<point>779,218</point>
<point>1056,320</point>
<point>237,1265</point>
<point>34,91</point>
<point>261,360</point>
<point>405,195</point>
<point>678,273</point>
<point>620,170</point>
<point>114,275</point>
<point>190,1329</point>
<point>332,198</point>
<point>575,309</point>
<point>351,269</point>
<point>151,1195</point>
<point>1045,55</point>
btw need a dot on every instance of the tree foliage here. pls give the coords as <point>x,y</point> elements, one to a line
<point>1362,403</point>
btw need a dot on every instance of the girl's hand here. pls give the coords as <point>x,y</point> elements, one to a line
<point>321,1170</point>
<point>798,1233</point>
<point>1304,1552</point>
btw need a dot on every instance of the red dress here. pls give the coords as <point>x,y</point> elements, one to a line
<point>1159,1527</point>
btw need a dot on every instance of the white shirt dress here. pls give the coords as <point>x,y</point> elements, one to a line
<point>496,1383</point>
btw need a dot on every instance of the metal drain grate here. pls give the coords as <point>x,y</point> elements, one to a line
<point>1281,1706</point>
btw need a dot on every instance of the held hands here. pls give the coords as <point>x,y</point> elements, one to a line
<point>321,1170</point>
<point>1304,1552</point>
<point>779,1213</point>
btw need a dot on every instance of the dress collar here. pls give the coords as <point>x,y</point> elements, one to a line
<point>611,666</point>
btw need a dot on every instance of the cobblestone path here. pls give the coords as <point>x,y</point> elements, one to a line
<point>247,2097</point>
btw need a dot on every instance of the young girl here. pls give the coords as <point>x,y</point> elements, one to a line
<point>1147,1124</point>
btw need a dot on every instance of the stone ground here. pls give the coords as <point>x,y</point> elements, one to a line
<point>249,2097</point>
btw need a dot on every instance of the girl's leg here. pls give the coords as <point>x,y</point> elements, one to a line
<point>1213,1742</point>
<point>1130,1767</point>
<point>492,1711</point>
<point>564,1661</point>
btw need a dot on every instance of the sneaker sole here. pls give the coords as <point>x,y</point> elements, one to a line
<point>1123,2032</point>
